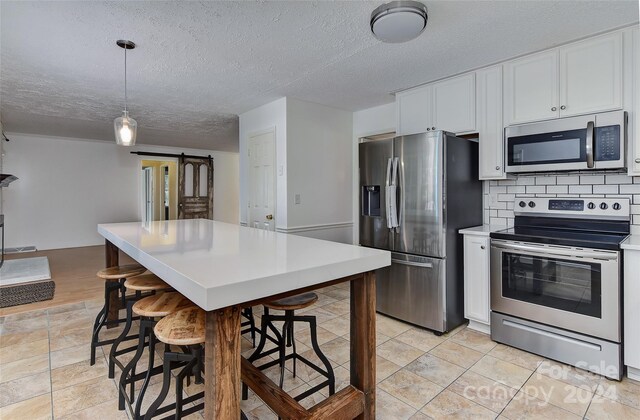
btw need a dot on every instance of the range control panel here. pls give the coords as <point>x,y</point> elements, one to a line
<point>605,208</point>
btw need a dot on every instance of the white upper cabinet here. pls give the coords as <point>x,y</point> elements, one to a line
<point>446,105</point>
<point>591,75</point>
<point>490,128</point>
<point>454,106</point>
<point>578,78</point>
<point>634,118</point>
<point>413,111</point>
<point>531,88</point>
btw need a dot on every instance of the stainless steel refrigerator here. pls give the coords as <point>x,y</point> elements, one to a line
<point>416,192</point>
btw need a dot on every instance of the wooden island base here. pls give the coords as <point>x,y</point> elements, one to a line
<point>222,400</point>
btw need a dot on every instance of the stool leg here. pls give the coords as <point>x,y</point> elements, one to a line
<point>97,325</point>
<point>166,382</point>
<point>256,353</point>
<point>131,365</point>
<point>147,378</point>
<point>282,350</point>
<point>322,357</point>
<point>122,336</point>
<point>291,342</point>
<point>197,369</point>
<point>186,371</point>
<point>252,324</point>
<point>108,287</point>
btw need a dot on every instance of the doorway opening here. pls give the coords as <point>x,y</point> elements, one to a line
<point>159,198</point>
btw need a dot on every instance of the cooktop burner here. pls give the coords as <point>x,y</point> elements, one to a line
<point>584,223</point>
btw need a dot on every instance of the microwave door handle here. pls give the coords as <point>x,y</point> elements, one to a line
<point>589,145</point>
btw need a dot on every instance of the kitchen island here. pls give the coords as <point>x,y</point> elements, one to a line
<point>223,268</point>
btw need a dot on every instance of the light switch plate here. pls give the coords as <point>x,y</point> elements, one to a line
<point>297,199</point>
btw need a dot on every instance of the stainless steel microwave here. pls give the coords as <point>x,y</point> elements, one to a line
<point>587,142</point>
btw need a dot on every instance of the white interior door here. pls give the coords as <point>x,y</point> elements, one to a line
<point>262,187</point>
<point>147,185</point>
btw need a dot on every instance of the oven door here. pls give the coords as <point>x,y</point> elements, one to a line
<point>571,288</point>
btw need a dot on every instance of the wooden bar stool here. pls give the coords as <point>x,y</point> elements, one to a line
<point>114,280</point>
<point>149,283</point>
<point>185,328</point>
<point>148,308</point>
<point>286,339</point>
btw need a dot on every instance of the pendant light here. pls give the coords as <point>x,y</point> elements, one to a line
<point>125,126</point>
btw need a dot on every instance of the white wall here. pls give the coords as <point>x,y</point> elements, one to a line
<point>67,186</point>
<point>271,115</point>
<point>319,159</point>
<point>368,122</point>
<point>313,159</point>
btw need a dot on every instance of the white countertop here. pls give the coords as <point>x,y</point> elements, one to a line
<point>483,230</point>
<point>218,264</point>
<point>632,242</point>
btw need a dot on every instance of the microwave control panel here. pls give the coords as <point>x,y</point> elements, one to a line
<point>607,143</point>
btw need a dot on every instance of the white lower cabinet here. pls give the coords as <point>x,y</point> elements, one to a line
<point>631,314</point>
<point>476,282</point>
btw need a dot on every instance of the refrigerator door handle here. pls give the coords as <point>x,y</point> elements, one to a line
<point>390,196</point>
<point>411,263</point>
<point>397,176</point>
<point>387,194</point>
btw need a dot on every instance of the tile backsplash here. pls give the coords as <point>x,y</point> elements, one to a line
<point>499,196</point>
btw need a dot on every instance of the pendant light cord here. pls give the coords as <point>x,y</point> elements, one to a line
<point>125,78</point>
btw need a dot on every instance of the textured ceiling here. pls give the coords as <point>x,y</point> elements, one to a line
<point>199,64</point>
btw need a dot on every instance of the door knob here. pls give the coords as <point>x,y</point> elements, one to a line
<point>269,216</point>
<point>638,160</point>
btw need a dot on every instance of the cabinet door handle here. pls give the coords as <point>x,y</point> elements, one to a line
<point>482,247</point>
<point>638,160</point>
<point>497,168</point>
<point>433,128</point>
<point>554,108</point>
<point>563,107</point>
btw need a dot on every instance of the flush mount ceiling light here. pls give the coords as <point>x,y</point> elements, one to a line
<point>125,126</point>
<point>399,21</point>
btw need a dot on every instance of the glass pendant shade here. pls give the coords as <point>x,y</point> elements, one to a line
<point>126,129</point>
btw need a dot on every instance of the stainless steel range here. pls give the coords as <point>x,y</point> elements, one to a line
<point>556,280</point>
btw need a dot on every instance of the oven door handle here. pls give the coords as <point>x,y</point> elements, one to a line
<point>589,145</point>
<point>551,251</point>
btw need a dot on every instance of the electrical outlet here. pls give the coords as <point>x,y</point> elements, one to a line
<point>297,199</point>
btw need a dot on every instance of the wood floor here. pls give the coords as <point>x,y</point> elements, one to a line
<point>74,272</point>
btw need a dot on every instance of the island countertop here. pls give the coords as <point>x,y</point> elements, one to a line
<point>217,264</point>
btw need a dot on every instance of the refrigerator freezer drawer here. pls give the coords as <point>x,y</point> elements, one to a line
<point>412,290</point>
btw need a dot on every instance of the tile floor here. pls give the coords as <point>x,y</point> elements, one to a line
<point>45,372</point>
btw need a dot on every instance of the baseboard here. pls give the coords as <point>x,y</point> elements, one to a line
<point>633,373</point>
<point>309,228</point>
<point>479,326</point>
<point>19,249</point>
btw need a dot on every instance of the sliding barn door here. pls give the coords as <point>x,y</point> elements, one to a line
<point>195,188</point>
